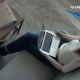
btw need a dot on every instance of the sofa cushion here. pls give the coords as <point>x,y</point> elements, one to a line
<point>74,75</point>
<point>26,67</point>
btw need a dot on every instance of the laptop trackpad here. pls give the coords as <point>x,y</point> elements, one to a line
<point>53,52</point>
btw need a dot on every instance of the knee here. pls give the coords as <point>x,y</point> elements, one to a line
<point>29,33</point>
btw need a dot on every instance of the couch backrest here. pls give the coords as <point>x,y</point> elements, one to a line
<point>26,67</point>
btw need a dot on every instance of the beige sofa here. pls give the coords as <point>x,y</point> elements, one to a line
<point>26,67</point>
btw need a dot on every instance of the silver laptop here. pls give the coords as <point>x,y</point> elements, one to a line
<point>48,42</point>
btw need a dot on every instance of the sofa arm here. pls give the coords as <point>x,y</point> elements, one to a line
<point>26,67</point>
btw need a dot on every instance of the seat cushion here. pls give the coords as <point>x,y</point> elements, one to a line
<point>74,75</point>
<point>26,67</point>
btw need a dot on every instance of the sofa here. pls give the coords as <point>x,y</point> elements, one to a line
<point>27,67</point>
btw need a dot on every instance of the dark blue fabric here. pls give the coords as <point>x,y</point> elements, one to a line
<point>61,42</point>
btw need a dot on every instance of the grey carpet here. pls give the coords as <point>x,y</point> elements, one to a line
<point>35,12</point>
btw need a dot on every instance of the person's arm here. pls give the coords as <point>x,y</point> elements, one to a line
<point>53,62</point>
<point>71,37</point>
<point>67,36</point>
<point>75,63</point>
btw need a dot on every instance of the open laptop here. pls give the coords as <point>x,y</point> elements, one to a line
<point>48,42</point>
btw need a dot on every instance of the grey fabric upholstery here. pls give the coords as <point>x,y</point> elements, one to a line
<point>26,67</point>
<point>74,75</point>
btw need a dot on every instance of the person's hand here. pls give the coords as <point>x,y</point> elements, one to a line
<point>44,54</point>
<point>60,34</point>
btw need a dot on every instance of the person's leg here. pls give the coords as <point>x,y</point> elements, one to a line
<point>22,42</point>
<point>28,42</point>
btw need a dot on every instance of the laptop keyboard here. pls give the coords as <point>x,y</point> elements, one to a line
<point>47,42</point>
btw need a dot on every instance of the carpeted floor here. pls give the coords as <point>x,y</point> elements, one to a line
<point>35,12</point>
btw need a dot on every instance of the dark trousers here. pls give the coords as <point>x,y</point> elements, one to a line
<point>28,42</point>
